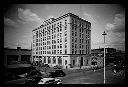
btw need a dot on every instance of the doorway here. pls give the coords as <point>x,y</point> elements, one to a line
<point>81,61</point>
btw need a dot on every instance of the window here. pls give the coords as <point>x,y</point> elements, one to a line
<point>73,62</point>
<point>72,21</point>
<point>75,45</point>
<point>54,51</point>
<point>49,60</point>
<point>60,28</point>
<point>65,24</point>
<point>75,39</point>
<point>54,60</point>
<point>57,29</point>
<point>75,33</point>
<point>65,39</point>
<point>60,34</point>
<point>65,62</point>
<point>75,51</point>
<point>75,27</point>
<point>80,40</point>
<point>59,60</point>
<point>72,51</point>
<point>72,33</point>
<point>80,34</point>
<point>60,40</point>
<point>44,59</point>
<point>60,45</point>
<point>57,40</point>
<point>65,33</point>
<point>80,46</point>
<point>65,51</point>
<point>60,51</point>
<point>80,51</point>
<point>65,45</point>
<point>72,39</point>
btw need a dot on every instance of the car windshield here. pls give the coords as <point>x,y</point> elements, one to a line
<point>50,81</point>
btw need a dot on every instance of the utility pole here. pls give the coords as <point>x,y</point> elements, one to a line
<point>104,54</point>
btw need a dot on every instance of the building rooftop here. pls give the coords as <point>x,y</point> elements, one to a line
<point>17,49</point>
<point>51,20</point>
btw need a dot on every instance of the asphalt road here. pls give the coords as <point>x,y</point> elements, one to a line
<point>87,77</point>
<point>90,77</point>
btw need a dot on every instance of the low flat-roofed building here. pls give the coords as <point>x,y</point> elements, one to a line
<point>14,58</point>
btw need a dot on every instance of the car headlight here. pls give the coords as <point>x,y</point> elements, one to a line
<point>59,80</point>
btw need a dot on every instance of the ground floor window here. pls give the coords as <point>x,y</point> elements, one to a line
<point>12,59</point>
<point>44,59</point>
<point>87,61</point>
<point>59,60</point>
<point>49,60</point>
<point>25,58</point>
<point>54,60</point>
<point>65,62</point>
<point>73,62</point>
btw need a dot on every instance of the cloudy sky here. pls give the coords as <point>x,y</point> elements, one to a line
<point>21,19</point>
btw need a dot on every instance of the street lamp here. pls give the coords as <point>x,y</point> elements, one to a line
<point>104,54</point>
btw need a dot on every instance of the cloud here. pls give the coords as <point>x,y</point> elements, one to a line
<point>9,22</point>
<point>118,25</point>
<point>27,16</point>
<point>89,17</point>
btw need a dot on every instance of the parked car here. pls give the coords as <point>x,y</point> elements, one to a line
<point>33,73</point>
<point>57,73</point>
<point>45,65</point>
<point>57,67</point>
<point>50,81</point>
<point>118,67</point>
<point>33,80</point>
<point>23,75</point>
<point>10,76</point>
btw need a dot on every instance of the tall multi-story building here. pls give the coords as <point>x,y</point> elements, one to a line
<point>64,41</point>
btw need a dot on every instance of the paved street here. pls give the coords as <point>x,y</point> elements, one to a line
<point>90,77</point>
<point>86,77</point>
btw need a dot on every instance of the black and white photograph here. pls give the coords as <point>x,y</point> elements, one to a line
<point>64,44</point>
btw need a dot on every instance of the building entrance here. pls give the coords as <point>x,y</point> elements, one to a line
<point>81,61</point>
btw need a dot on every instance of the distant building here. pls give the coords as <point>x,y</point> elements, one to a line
<point>14,58</point>
<point>120,55</point>
<point>97,59</point>
<point>64,41</point>
<point>100,52</point>
<point>110,54</point>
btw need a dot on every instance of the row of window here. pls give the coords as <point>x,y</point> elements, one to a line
<point>51,52</point>
<point>54,46</point>
<point>59,35</point>
<point>53,60</point>
<point>74,51</point>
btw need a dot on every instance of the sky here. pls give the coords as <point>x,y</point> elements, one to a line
<point>21,19</point>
